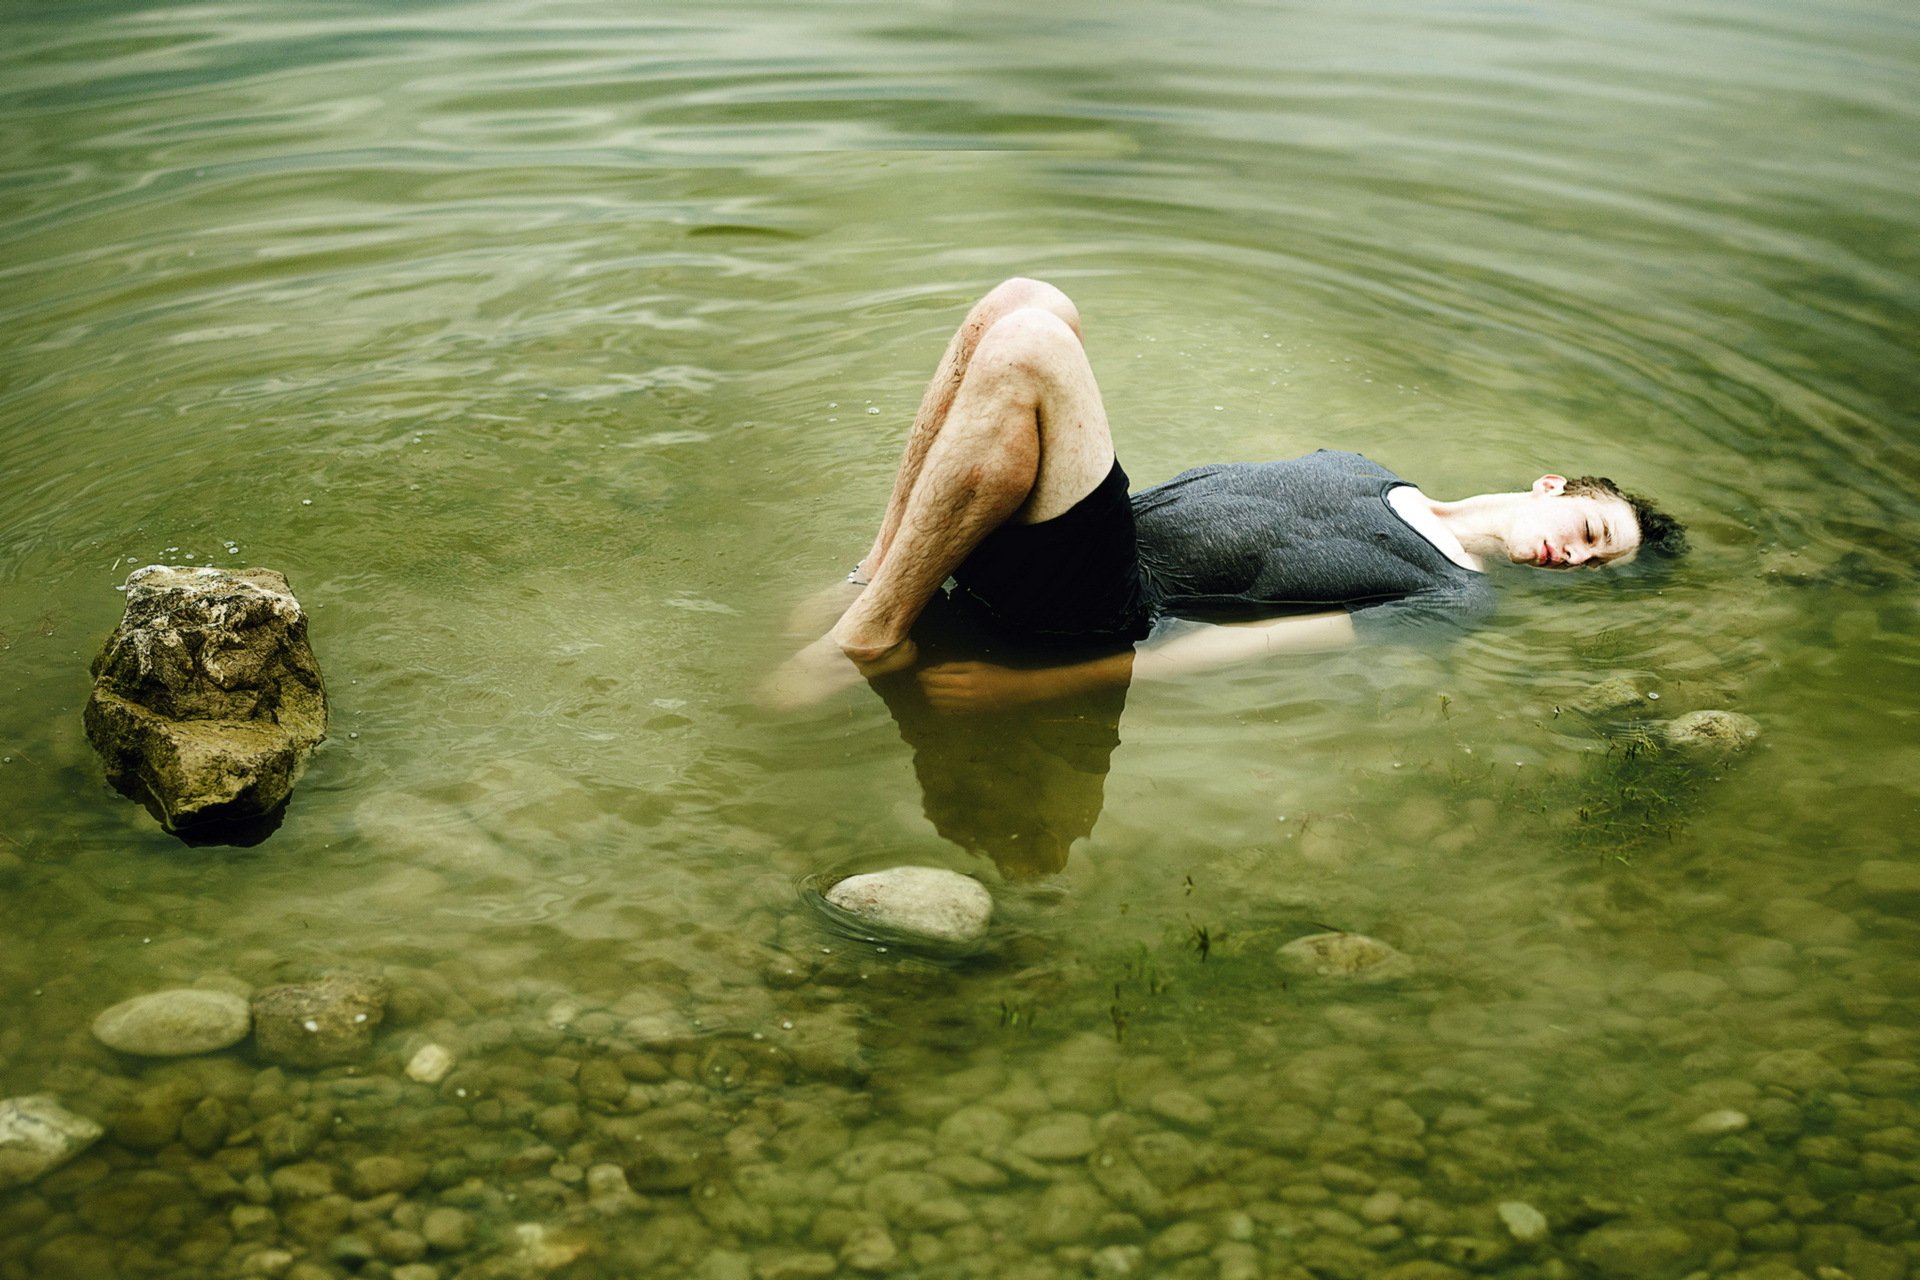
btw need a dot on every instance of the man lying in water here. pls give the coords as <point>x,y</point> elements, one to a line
<point>1010,487</point>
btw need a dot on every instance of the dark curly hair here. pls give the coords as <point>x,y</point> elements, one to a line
<point>1660,533</point>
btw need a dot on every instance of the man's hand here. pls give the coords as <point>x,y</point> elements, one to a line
<point>974,688</point>
<point>971,688</point>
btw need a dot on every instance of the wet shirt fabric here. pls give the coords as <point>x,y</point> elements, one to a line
<point>1266,538</point>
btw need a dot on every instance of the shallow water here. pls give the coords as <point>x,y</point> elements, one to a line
<point>554,351</point>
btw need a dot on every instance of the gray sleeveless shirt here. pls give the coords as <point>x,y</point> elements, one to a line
<point>1265,538</point>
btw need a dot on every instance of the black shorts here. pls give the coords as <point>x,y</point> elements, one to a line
<point>1069,582</point>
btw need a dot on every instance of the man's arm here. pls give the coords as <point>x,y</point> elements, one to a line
<point>983,686</point>
<point>1209,647</point>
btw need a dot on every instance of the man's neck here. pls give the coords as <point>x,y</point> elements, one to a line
<point>1481,522</point>
<point>1477,524</point>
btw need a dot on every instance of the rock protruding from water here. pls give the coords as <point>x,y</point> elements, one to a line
<point>37,1135</point>
<point>1351,956</point>
<point>1711,733</point>
<point>924,902</point>
<point>174,1024</point>
<point>206,698</point>
<point>319,1024</point>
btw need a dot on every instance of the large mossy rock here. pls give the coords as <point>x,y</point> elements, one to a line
<point>318,1024</point>
<point>206,699</point>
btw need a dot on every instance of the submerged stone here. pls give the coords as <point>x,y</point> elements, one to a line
<point>172,1024</point>
<point>1638,1251</point>
<point>317,1024</point>
<point>38,1135</point>
<point>205,1126</point>
<point>1896,882</point>
<point>1351,956</point>
<point>377,1175</point>
<point>1711,733</point>
<point>1524,1223</point>
<point>1717,1124</point>
<point>151,1119</point>
<point>1609,697</point>
<point>869,1248</point>
<point>926,902</point>
<point>447,1230</point>
<point>1067,1136</point>
<point>538,1248</point>
<point>206,699</point>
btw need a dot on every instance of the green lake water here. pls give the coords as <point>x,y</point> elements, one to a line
<point>555,350</point>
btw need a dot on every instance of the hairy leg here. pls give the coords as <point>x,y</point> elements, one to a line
<point>1022,437</point>
<point>821,610</point>
<point>1017,294</point>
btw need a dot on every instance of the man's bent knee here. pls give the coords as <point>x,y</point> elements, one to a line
<point>1021,293</point>
<point>1031,341</point>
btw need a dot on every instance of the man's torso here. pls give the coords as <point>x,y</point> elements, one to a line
<point>1299,534</point>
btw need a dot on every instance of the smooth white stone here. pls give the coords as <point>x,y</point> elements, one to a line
<point>924,901</point>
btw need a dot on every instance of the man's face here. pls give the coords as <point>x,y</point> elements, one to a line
<point>1558,530</point>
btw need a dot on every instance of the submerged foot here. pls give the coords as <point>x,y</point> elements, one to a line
<point>823,669</point>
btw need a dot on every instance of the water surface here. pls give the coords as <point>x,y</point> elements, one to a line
<point>554,350</point>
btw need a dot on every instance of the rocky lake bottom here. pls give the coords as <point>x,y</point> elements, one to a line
<point>1649,1075</point>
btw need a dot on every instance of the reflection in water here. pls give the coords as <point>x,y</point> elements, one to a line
<point>1019,786</point>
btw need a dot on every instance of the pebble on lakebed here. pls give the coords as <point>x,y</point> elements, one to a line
<point>925,902</point>
<point>1609,697</point>
<point>175,1024</point>
<point>1524,1223</point>
<point>430,1064</point>
<point>1351,956</point>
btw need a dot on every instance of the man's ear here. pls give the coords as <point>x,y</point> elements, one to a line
<point>1550,486</point>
